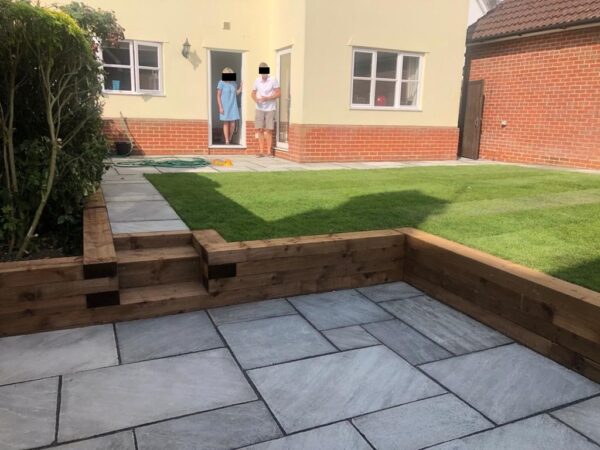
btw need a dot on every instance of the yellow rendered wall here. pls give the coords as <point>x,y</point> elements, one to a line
<point>436,28</point>
<point>185,80</point>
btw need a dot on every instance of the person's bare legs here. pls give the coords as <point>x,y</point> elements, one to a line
<point>226,132</point>
<point>231,130</point>
<point>261,141</point>
<point>269,142</point>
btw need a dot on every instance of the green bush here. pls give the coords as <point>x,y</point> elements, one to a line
<point>50,119</point>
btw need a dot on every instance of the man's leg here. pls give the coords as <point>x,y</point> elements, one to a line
<point>269,142</point>
<point>261,141</point>
<point>269,127</point>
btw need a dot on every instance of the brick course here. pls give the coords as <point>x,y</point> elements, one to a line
<point>547,88</point>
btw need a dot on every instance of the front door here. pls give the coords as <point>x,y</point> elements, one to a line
<point>471,132</point>
<point>284,67</point>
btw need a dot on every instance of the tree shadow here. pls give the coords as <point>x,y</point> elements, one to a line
<point>198,201</point>
<point>586,274</point>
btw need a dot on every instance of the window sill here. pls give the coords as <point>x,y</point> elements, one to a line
<point>135,94</point>
<point>374,108</point>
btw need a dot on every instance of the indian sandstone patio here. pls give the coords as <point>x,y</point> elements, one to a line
<point>380,367</point>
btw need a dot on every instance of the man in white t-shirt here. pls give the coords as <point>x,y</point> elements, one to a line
<point>265,93</point>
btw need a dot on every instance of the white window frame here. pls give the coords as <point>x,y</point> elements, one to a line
<point>397,79</point>
<point>134,69</point>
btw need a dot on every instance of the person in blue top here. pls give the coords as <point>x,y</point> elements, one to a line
<point>227,92</point>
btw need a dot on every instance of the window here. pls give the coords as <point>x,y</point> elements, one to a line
<point>133,67</point>
<point>385,79</point>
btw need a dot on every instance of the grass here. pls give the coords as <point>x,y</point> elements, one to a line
<point>545,219</point>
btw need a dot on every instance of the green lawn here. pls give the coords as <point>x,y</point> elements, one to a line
<point>548,220</point>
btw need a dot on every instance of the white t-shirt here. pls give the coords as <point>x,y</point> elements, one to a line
<point>265,88</point>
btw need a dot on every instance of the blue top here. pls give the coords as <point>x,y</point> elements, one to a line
<point>229,100</point>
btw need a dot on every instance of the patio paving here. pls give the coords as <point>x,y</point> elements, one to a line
<point>297,373</point>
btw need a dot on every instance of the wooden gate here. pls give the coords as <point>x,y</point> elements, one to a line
<point>471,132</point>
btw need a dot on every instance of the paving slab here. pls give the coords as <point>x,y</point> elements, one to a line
<point>148,225</point>
<point>166,336</point>
<point>510,382</point>
<point>130,192</point>
<point>104,400</point>
<point>118,441</point>
<point>135,170</point>
<point>390,291</point>
<point>317,391</point>
<point>421,424</point>
<point>28,414</point>
<point>338,309</point>
<point>340,436</point>
<point>584,417</point>
<point>135,211</point>
<point>41,355</point>
<point>231,427</point>
<point>251,311</point>
<point>447,327</point>
<point>408,343</point>
<point>350,337</point>
<point>274,340</point>
<point>537,433</point>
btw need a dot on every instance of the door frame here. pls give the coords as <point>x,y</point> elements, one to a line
<point>279,53</point>
<point>210,95</point>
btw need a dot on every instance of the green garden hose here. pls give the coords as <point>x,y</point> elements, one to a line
<point>163,162</point>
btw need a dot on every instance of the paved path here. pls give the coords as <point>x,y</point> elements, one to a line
<point>381,367</point>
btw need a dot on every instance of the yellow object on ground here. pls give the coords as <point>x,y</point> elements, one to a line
<point>222,162</point>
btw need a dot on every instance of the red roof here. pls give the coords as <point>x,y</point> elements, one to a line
<point>514,17</point>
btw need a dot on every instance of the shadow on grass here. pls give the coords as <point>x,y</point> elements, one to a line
<point>586,274</point>
<point>198,201</point>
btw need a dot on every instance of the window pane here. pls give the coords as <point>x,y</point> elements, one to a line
<point>117,79</point>
<point>408,93</point>
<point>385,92</point>
<point>386,64</point>
<point>362,64</point>
<point>410,68</point>
<point>147,56</point>
<point>149,80</point>
<point>117,55</point>
<point>361,92</point>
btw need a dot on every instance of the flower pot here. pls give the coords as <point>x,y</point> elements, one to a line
<point>123,148</point>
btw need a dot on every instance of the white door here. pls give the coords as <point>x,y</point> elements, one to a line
<point>284,67</point>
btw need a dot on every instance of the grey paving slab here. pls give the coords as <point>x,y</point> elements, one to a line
<point>537,433</point>
<point>421,424</point>
<point>136,170</point>
<point>510,382</point>
<point>338,309</point>
<point>274,340</point>
<point>133,211</point>
<point>231,427</point>
<point>131,192</point>
<point>405,341</point>
<point>445,326</point>
<point>104,400</point>
<point>390,291</point>
<point>251,311</point>
<point>118,441</point>
<point>52,353</point>
<point>340,436</point>
<point>584,417</point>
<point>28,414</point>
<point>350,337</point>
<point>148,225</point>
<point>325,389</point>
<point>166,336</point>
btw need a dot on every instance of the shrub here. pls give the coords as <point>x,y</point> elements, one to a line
<point>50,119</point>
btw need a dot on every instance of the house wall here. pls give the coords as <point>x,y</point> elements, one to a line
<point>321,36</point>
<point>547,89</point>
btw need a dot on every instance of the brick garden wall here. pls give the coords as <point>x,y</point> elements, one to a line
<point>307,143</point>
<point>547,88</point>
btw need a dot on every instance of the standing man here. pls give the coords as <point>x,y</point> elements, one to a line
<point>265,93</point>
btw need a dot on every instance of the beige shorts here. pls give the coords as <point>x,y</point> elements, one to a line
<point>264,120</point>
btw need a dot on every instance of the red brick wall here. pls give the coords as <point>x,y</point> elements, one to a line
<point>306,142</point>
<point>548,90</point>
<point>309,143</point>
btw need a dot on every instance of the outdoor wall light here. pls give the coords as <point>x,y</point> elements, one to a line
<point>186,48</point>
